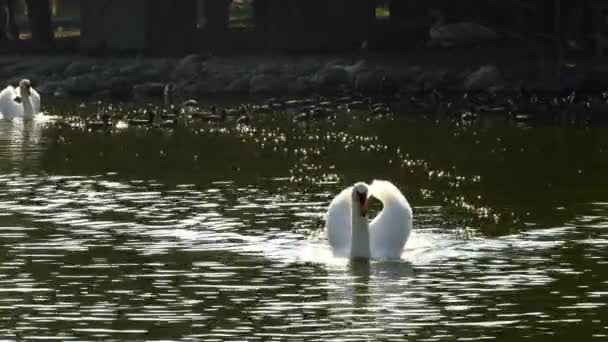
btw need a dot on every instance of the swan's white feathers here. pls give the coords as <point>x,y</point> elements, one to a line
<point>35,98</point>
<point>389,230</point>
<point>11,109</point>
<point>8,107</point>
<point>338,222</point>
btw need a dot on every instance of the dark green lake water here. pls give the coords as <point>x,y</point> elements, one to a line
<point>213,232</point>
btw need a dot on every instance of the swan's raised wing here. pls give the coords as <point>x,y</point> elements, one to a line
<point>8,107</point>
<point>389,230</point>
<point>35,98</point>
<point>338,223</point>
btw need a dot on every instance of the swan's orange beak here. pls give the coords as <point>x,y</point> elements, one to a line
<point>364,209</point>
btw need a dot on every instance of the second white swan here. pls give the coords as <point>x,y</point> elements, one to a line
<point>21,102</point>
<point>349,232</point>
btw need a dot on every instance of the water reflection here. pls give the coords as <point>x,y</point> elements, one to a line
<point>108,238</point>
<point>19,149</point>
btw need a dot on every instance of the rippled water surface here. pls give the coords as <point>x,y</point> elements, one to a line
<point>214,232</point>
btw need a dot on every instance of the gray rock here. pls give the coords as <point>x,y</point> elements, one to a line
<point>83,85</point>
<point>189,67</point>
<point>51,67</point>
<point>267,84</point>
<point>300,86</point>
<point>158,70</point>
<point>460,34</point>
<point>306,67</point>
<point>331,77</point>
<point>368,81</point>
<point>212,84</point>
<point>78,68</point>
<point>60,92</point>
<point>10,70</point>
<point>48,88</point>
<point>121,87</point>
<point>148,90</point>
<point>103,93</point>
<point>194,89</point>
<point>268,68</point>
<point>484,78</point>
<point>240,85</point>
<point>100,67</point>
<point>134,71</point>
<point>432,79</point>
<point>335,76</point>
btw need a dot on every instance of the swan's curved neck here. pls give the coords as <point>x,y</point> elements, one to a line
<point>28,110</point>
<point>359,247</point>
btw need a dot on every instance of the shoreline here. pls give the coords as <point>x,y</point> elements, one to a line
<point>432,77</point>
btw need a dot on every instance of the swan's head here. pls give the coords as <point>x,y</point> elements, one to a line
<point>360,197</point>
<point>26,87</point>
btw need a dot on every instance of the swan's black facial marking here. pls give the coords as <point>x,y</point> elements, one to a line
<point>17,99</point>
<point>362,197</point>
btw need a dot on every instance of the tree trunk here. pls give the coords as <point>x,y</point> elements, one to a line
<point>260,15</point>
<point>217,14</point>
<point>13,30</point>
<point>39,15</point>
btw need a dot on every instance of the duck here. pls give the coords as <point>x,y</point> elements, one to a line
<point>168,123</point>
<point>170,113</point>
<point>302,117</point>
<point>149,120</point>
<point>100,122</point>
<point>244,120</point>
<point>321,112</point>
<point>20,102</point>
<point>379,109</point>
<point>356,105</point>
<point>211,115</point>
<point>468,116</point>
<point>350,233</point>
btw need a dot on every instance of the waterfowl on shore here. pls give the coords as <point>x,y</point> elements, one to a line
<point>302,117</point>
<point>171,113</point>
<point>20,102</point>
<point>149,120</point>
<point>321,112</point>
<point>101,121</point>
<point>243,120</point>
<point>211,115</point>
<point>356,105</point>
<point>380,109</point>
<point>468,116</point>
<point>274,103</point>
<point>169,123</point>
<point>190,103</point>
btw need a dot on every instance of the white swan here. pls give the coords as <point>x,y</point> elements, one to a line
<point>21,102</point>
<point>349,231</point>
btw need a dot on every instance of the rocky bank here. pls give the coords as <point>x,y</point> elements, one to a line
<point>197,77</point>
